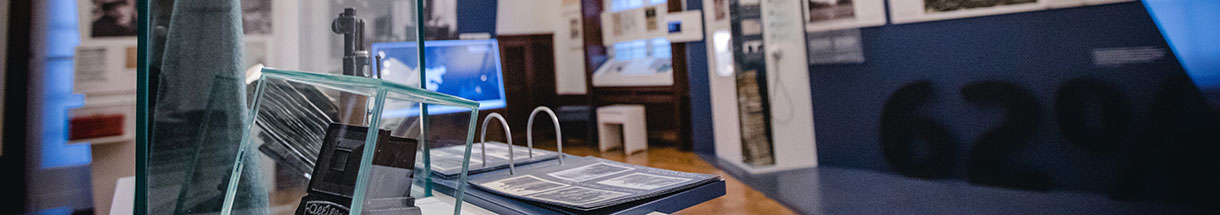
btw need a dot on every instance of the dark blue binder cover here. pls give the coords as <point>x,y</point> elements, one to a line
<point>669,199</point>
<point>669,203</point>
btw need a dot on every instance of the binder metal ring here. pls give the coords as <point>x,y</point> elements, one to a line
<point>529,132</point>
<point>507,133</point>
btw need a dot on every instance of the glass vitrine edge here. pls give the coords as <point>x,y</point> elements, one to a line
<point>239,161</point>
<point>430,97</point>
<point>363,176</point>
<point>460,192</point>
<point>140,203</point>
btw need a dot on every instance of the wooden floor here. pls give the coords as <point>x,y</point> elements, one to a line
<point>738,198</point>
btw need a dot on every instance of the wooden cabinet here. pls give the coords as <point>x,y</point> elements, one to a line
<point>528,63</point>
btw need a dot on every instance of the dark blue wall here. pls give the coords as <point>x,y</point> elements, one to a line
<point>476,16</point>
<point>702,138</point>
<point>1162,139</point>
<point>1036,51</point>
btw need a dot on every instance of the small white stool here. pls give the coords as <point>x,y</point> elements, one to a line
<point>622,125</point>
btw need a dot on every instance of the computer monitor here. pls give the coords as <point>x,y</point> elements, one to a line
<point>465,68</point>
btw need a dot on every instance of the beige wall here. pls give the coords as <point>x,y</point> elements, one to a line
<point>111,161</point>
<point>515,17</point>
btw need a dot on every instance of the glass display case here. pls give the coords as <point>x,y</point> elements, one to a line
<point>296,125</point>
<point>274,107</point>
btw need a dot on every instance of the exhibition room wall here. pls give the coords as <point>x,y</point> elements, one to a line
<point>702,137</point>
<point>525,17</point>
<point>1025,100</point>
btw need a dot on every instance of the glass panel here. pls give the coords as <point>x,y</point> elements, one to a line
<point>306,134</point>
<point>443,135</point>
<point>196,108</point>
<point>661,48</point>
<point>191,148</point>
<point>303,139</point>
<point>208,88</point>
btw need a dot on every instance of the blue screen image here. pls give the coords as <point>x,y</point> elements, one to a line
<point>465,68</point>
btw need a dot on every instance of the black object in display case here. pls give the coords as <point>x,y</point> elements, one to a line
<point>334,178</point>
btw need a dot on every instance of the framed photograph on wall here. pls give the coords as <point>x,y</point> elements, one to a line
<point>440,19</point>
<point>908,11</point>
<point>256,17</point>
<point>720,10</point>
<point>107,19</point>
<point>826,15</point>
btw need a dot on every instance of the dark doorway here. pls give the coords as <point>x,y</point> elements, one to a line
<point>528,63</point>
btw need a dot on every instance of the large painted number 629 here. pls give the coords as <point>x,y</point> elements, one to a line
<point>902,125</point>
<point>987,164</point>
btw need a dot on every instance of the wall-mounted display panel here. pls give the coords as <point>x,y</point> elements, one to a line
<point>686,26</point>
<point>634,24</point>
<point>106,69</point>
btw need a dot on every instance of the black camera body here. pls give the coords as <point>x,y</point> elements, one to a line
<point>333,181</point>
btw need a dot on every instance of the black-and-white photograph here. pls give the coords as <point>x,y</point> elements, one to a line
<point>934,6</point>
<point>256,16</point>
<point>493,150</point>
<point>450,158</point>
<point>643,181</point>
<point>829,15</point>
<point>574,28</point>
<point>499,150</point>
<point>523,185</point>
<point>113,18</point>
<point>720,9</point>
<point>452,163</point>
<point>650,17</point>
<point>578,195</point>
<point>617,19</point>
<point>826,10</point>
<point>590,171</point>
<point>440,19</point>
